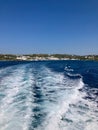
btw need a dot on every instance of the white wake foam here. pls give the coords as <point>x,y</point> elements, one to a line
<point>16,101</point>
<point>63,103</point>
<point>66,93</point>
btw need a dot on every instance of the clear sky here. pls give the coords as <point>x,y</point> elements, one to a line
<point>49,26</point>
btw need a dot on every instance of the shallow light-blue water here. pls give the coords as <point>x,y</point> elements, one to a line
<point>49,95</point>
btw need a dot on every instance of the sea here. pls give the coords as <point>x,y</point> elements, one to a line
<point>49,95</point>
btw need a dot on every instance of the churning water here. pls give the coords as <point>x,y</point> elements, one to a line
<point>49,95</point>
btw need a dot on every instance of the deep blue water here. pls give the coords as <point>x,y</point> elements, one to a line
<point>49,95</point>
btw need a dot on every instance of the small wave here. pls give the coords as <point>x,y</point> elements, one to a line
<point>68,69</point>
<point>73,76</point>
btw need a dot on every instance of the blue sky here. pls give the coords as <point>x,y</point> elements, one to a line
<point>49,26</point>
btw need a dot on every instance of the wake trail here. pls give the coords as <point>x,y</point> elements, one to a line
<point>60,92</point>
<point>62,101</point>
<point>16,100</point>
<point>34,97</point>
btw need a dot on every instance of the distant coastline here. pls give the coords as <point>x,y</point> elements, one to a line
<point>40,57</point>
